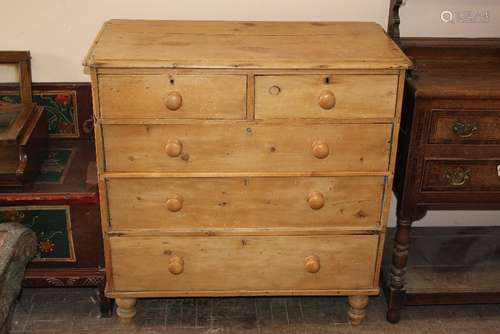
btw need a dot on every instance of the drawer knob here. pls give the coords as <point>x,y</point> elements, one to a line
<point>327,99</point>
<point>457,177</point>
<point>173,148</point>
<point>320,149</point>
<point>316,200</point>
<point>274,90</point>
<point>174,203</point>
<point>311,263</point>
<point>466,129</point>
<point>176,265</point>
<point>173,101</point>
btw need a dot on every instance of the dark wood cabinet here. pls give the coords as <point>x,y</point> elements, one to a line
<point>62,204</point>
<point>62,207</point>
<point>448,159</point>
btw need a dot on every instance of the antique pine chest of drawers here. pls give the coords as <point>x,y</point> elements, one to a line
<point>245,158</point>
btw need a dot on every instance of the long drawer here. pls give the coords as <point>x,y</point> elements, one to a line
<point>461,175</point>
<point>449,126</point>
<point>243,263</point>
<point>325,96</point>
<point>173,96</point>
<point>270,202</point>
<point>244,147</point>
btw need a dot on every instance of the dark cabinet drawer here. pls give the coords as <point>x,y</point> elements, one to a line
<point>465,127</point>
<point>462,175</point>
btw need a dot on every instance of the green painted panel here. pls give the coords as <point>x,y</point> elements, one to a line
<point>52,226</point>
<point>60,107</point>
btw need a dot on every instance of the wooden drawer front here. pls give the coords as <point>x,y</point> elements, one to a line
<point>176,96</point>
<point>323,96</point>
<point>202,203</point>
<point>465,127</point>
<point>467,175</point>
<point>247,147</point>
<point>242,263</point>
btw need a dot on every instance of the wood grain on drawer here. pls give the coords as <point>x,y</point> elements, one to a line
<point>173,96</point>
<point>247,147</point>
<point>243,263</point>
<point>465,127</point>
<point>204,203</point>
<point>324,96</point>
<point>463,175</point>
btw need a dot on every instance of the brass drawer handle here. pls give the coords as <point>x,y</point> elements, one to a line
<point>176,265</point>
<point>173,148</point>
<point>457,176</point>
<point>327,99</point>
<point>173,101</point>
<point>316,200</point>
<point>174,203</point>
<point>320,149</point>
<point>312,264</point>
<point>465,130</point>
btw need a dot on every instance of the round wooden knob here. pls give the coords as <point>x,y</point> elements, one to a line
<point>176,265</point>
<point>326,99</point>
<point>311,263</point>
<point>316,200</point>
<point>173,101</point>
<point>174,203</point>
<point>173,148</point>
<point>320,149</point>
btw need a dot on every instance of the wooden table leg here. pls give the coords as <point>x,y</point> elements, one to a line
<point>105,304</point>
<point>397,290</point>
<point>126,308</point>
<point>357,309</point>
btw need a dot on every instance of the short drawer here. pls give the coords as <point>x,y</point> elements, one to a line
<point>324,96</point>
<point>465,127</point>
<point>173,96</point>
<point>466,175</point>
<point>243,147</point>
<point>262,202</point>
<point>243,263</point>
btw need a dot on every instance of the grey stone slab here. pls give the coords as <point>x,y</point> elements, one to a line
<point>279,315</point>
<point>234,313</point>
<point>203,312</point>
<point>324,310</point>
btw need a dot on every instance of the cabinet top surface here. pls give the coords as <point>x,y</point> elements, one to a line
<point>245,45</point>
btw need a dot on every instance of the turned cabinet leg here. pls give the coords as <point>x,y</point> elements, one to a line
<point>125,308</point>
<point>399,260</point>
<point>105,303</point>
<point>357,309</point>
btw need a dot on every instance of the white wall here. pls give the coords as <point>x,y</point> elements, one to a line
<point>59,32</point>
<point>450,18</point>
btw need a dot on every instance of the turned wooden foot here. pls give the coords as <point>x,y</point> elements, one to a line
<point>357,309</point>
<point>393,315</point>
<point>126,308</point>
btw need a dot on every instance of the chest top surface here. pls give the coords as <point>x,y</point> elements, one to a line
<point>244,45</point>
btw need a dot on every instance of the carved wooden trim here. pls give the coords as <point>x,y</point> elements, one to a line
<point>394,20</point>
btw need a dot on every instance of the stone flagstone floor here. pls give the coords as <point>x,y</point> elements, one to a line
<point>64,310</point>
